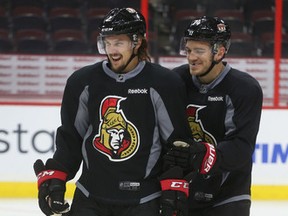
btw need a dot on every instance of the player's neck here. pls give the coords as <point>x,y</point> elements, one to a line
<point>213,74</point>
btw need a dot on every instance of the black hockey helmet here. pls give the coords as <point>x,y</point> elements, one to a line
<point>211,29</point>
<point>123,21</point>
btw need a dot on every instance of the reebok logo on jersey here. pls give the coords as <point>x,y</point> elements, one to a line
<point>216,98</point>
<point>138,91</point>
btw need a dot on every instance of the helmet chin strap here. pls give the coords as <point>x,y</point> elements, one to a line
<point>121,69</point>
<point>209,69</point>
<point>211,66</point>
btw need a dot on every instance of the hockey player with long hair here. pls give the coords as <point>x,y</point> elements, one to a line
<point>116,118</point>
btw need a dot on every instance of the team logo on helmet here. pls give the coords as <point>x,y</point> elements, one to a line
<point>117,138</point>
<point>198,131</point>
<point>221,27</point>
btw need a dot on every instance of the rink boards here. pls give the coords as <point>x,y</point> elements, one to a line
<point>27,133</point>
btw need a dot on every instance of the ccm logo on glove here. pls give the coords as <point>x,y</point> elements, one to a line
<point>50,174</point>
<point>175,184</point>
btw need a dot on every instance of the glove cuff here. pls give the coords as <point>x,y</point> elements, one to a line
<point>50,174</point>
<point>209,158</point>
<point>175,185</point>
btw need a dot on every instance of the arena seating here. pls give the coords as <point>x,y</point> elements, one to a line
<point>168,18</point>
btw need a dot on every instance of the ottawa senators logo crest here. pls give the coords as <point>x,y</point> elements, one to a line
<point>198,131</point>
<point>117,138</point>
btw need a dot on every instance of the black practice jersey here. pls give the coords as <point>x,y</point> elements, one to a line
<point>227,114</point>
<point>116,124</point>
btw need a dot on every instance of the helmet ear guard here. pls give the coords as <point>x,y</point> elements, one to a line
<point>101,45</point>
<point>216,45</point>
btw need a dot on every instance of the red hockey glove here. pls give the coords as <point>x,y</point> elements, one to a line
<point>51,187</point>
<point>175,190</point>
<point>194,156</point>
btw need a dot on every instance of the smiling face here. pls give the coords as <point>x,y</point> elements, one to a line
<point>200,57</point>
<point>119,49</point>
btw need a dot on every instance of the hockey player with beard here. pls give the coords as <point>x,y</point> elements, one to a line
<point>116,118</point>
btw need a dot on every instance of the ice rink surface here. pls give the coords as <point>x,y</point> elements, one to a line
<point>29,207</point>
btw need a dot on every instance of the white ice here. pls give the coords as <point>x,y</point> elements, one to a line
<point>29,207</point>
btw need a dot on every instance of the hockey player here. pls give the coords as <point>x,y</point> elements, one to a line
<point>116,117</point>
<point>224,110</point>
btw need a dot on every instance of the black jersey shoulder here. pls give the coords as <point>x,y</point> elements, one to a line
<point>242,82</point>
<point>159,72</point>
<point>184,72</point>
<point>85,73</point>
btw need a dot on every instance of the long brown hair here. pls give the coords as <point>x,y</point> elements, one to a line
<point>143,54</point>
